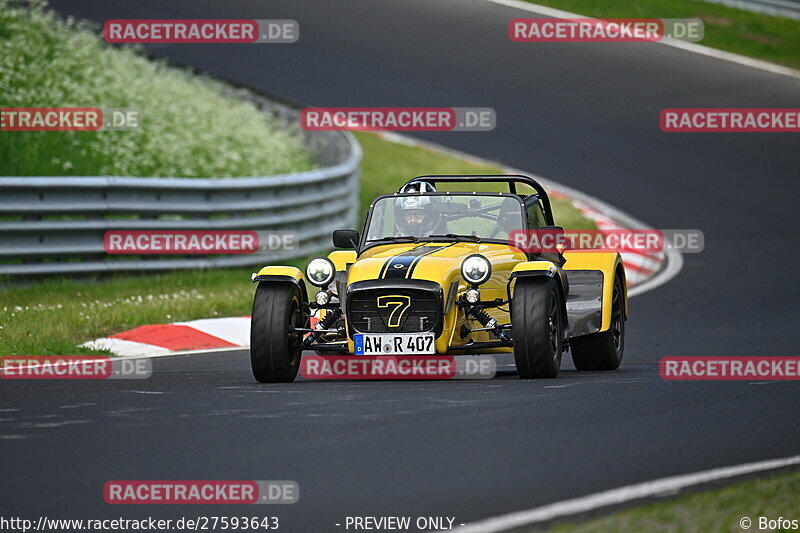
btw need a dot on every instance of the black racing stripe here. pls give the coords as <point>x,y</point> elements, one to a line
<point>418,259</point>
<point>402,266</point>
<point>390,271</point>
<point>385,266</point>
<point>398,267</point>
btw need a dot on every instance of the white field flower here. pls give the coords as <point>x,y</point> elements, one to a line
<point>193,127</point>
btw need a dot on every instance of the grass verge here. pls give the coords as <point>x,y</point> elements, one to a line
<point>773,39</point>
<point>53,317</point>
<point>715,510</point>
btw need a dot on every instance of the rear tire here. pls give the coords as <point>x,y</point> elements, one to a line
<point>275,349</point>
<point>537,328</point>
<point>603,351</point>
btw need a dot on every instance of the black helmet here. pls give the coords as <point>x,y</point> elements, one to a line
<point>414,215</point>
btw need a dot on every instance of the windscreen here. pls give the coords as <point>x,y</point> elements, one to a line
<point>490,216</point>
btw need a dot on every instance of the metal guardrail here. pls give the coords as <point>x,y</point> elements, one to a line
<point>776,8</point>
<point>55,225</point>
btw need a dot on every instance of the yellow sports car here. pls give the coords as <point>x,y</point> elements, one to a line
<point>436,271</point>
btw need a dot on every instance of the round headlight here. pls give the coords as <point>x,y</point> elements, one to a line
<point>476,269</point>
<point>320,271</point>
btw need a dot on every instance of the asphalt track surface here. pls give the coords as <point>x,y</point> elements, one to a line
<point>583,114</point>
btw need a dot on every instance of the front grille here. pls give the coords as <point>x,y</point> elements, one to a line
<point>393,310</point>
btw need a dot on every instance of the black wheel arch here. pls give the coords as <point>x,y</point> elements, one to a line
<point>271,278</point>
<point>561,284</point>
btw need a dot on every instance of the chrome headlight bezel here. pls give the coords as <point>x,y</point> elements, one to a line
<point>320,265</point>
<point>469,266</point>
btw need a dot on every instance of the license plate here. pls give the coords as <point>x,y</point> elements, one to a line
<point>394,344</point>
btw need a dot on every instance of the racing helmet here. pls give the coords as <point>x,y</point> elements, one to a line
<point>414,215</point>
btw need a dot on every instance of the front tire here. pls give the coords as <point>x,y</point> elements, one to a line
<point>537,328</point>
<point>603,351</point>
<point>275,348</point>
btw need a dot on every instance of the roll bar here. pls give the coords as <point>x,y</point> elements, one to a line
<point>510,179</point>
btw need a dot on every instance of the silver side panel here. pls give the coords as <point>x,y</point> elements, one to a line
<point>585,302</point>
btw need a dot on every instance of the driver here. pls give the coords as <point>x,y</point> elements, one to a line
<point>416,216</point>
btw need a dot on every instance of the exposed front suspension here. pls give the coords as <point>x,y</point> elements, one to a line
<point>330,319</point>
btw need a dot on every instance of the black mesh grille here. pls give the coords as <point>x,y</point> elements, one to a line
<point>422,312</point>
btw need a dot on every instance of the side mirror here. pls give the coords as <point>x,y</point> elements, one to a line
<point>345,238</point>
<point>560,237</point>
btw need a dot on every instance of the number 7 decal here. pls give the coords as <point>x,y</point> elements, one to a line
<point>400,305</point>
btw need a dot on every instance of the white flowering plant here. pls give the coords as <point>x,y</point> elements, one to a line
<point>193,126</point>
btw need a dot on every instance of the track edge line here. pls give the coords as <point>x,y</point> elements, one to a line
<point>624,494</point>
<point>694,48</point>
